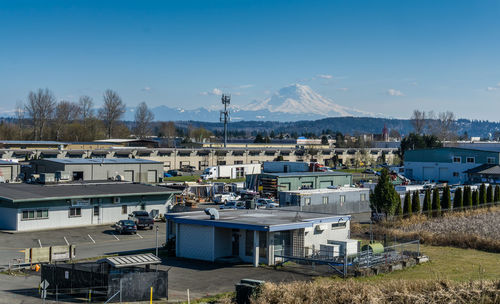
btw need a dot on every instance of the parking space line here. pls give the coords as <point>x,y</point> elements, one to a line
<point>91,238</point>
<point>67,243</point>
<point>139,235</point>
<point>39,242</point>
<point>115,236</point>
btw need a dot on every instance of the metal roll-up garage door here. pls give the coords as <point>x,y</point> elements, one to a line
<point>5,173</point>
<point>152,176</point>
<point>128,175</point>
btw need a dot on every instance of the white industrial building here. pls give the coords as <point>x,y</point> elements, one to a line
<point>25,207</point>
<point>253,235</point>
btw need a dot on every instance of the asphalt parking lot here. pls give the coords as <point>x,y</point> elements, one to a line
<point>89,241</point>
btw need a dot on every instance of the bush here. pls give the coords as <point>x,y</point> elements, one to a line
<point>489,194</point>
<point>468,197</point>
<point>407,210</point>
<point>427,208</point>
<point>436,203</point>
<point>446,198</point>
<point>415,203</point>
<point>475,198</point>
<point>497,194</point>
<point>399,208</point>
<point>482,194</point>
<point>458,202</point>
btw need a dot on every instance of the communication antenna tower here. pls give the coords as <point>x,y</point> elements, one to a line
<point>224,115</point>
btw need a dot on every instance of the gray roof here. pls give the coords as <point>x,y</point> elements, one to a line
<point>31,142</point>
<point>81,161</point>
<point>35,192</point>
<point>4,162</point>
<point>489,169</point>
<point>257,219</point>
<point>291,174</point>
<point>131,260</point>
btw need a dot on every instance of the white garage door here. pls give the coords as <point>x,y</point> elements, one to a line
<point>128,175</point>
<point>5,173</point>
<point>196,242</point>
<point>152,176</point>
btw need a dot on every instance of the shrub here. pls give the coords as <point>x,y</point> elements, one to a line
<point>446,198</point>
<point>482,194</point>
<point>415,203</point>
<point>489,194</point>
<point>458,202</point>
<point>384,197</point>
<point>436,203</point>
<point>475,198</point>
<point>468,197</point>
<point>497,194</point>
<point>427,208</point>
<point>407,205</point>
<point>399,208</point>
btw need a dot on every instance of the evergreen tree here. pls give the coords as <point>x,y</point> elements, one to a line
<point>496,197</point>
<point>475,198</point>
<point>489,194</point>
<point>384,198</point>
<point>482,194</point>
<point>436,203</point>
<point>458,202</point>
<point>446,199</point>
<point>407,205</point>
<point>399,208</point>
<point>468,197</point>
<point>415,203</point>
<point>427,207</point>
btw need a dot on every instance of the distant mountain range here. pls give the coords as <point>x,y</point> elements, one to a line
<point>291,103</point>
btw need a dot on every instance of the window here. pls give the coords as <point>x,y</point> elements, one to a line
<point>325,200</point>
<point>240,172</point>
<point>75,212</point>
<point>362,197</point>
<point>342,198</point>
<point>143,206</point>
<point>35,214</point>
<point>457,159</point>
<point>491,160</point>
<point>96,210</point>
<point>456,174</point>
<point>307,201</point>
<point>238,162</point>
<point>339,225</point>
<point>470,160</point>
<point>221,162</point>
<point>124,209</point>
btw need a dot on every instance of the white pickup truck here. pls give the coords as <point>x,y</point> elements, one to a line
<point>225,197</point>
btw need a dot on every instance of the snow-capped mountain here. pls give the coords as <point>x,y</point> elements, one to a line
<point>301,99</point>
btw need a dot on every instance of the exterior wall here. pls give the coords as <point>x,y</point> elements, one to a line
<point>317,182</point>
<point>58,213</point>
<point>427,171</point>
<point>101,172</point>
<point>297,198</point>
<point>195,242</point>
<point>314,238</point>
<point>173,158</point>
<point>223,242</point>
<point>8,218</point>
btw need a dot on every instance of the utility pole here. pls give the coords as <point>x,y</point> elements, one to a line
<point>224,115</point>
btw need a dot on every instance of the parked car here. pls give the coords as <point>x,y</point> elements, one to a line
<point>272,205</point>
<point>125,226</point>
<point>142,219</point>
<point>187,169</point>
<point>225,197</point>
<point>370,171</point>
<point>167,174</point>
<point>173,173</point>
<point>233,205</point>
<point>263,202</point>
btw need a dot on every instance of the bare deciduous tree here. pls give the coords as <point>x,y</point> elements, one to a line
<point>112,111</point>
<point>65,113</point>
<point>86,105</point>
<point>143,119</point>
<point>40,108</point>
<point>446,126</point>
<point>19,114</point>
<point>418,121</point>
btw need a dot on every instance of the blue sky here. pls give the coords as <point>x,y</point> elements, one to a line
<point>380,56</point>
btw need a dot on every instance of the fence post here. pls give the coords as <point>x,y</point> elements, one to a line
<point>345,261</point>
<point>151,296</point>
<point>120,290</point>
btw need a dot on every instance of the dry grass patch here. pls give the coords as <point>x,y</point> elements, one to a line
<point>400,291</point>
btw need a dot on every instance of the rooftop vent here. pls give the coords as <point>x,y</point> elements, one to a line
<point>214,214</point>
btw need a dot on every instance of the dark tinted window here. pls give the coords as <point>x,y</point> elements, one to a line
<point>141,213</point>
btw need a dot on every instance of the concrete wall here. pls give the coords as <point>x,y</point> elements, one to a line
<point>315,238</point>
<point>428,171</point>
<point>223,242</point>
<point>195,242</point>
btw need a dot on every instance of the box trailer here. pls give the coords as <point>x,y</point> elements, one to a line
<point>284,167</point>
<point>230,171</point>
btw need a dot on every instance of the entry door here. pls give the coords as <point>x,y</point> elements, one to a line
<point>96,212</point>
<point>152,176</point>
<point>236,243</point>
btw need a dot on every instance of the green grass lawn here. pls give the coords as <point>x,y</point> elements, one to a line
<point>449,263</point>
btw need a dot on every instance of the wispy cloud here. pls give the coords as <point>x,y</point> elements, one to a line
<point>146,89</point>
<point>343,89</point>
<point>324,76</point>
<point>215,91</point>
<point>493,88</point>
<point>245,86</point>
<point>394,92</point>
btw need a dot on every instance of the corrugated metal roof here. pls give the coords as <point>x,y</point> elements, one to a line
<point>131,260</point>
<point>102,161</point>
<point>292,174</point>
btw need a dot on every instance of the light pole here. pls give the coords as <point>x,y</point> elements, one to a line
<point>157,240</point>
